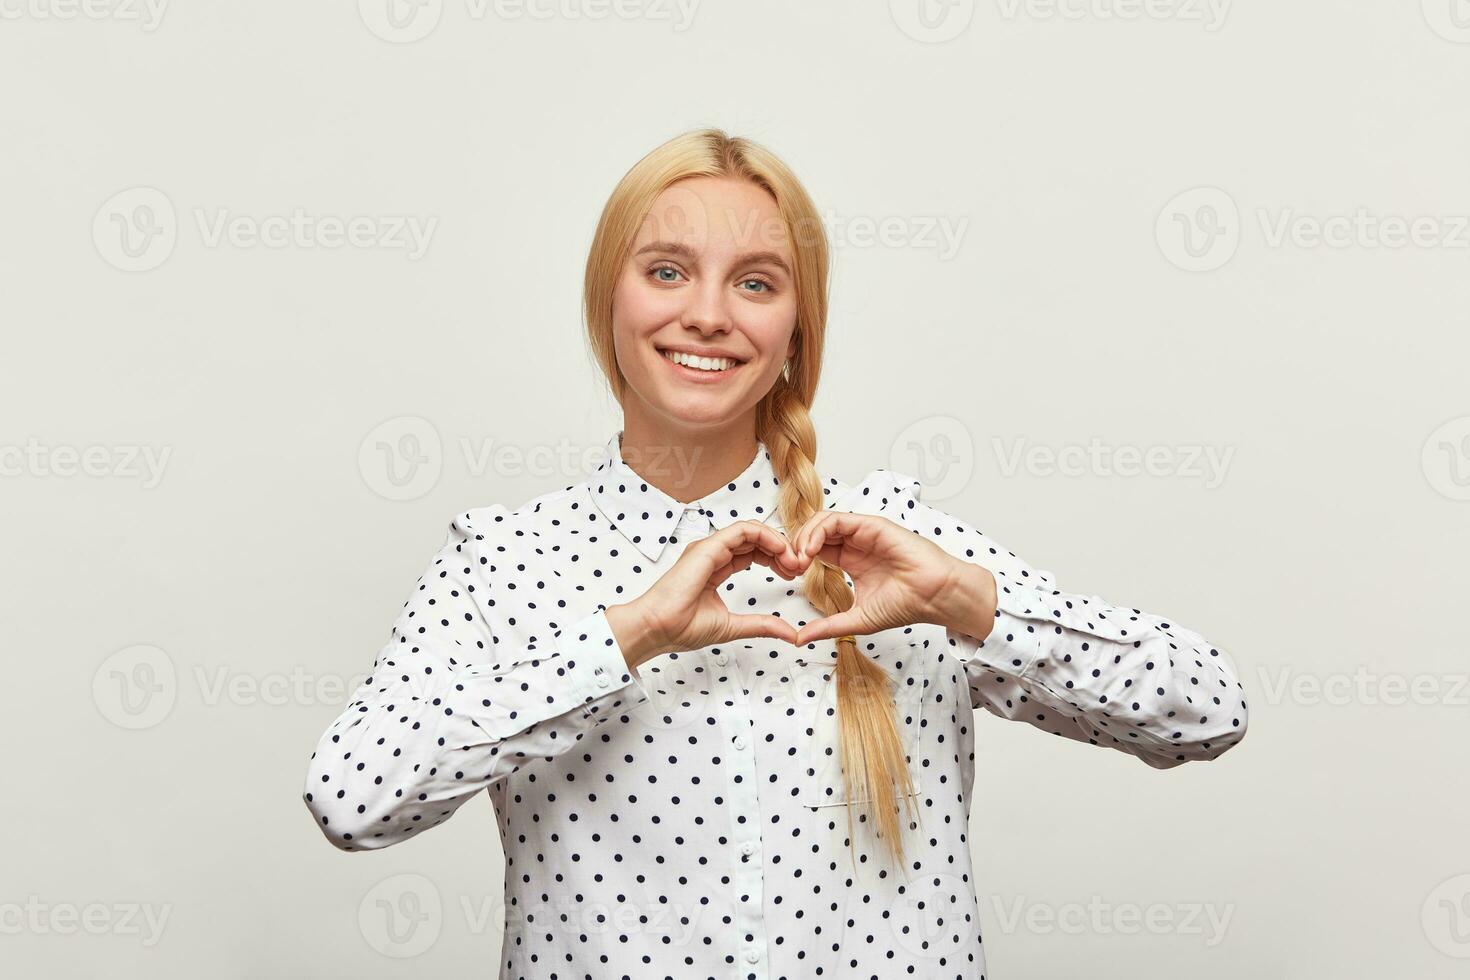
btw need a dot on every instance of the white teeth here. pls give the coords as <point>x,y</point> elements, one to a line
<point>701,363</point>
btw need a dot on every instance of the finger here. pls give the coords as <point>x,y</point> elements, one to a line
<point>806,531</point>
<point>745,627</point>
<point>743,560</point>
<point>738,563</point>
<point>833,526</point>
<point>830,553</point>
<point>837,526</point>
<point>771,544</point>
<point>738,555</point>
<point>775,544</point>
<point>778,564</point>
<point>838,624</point>
<point>744,536</point>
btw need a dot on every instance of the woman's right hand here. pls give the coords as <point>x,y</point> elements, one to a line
<point>683,609</point>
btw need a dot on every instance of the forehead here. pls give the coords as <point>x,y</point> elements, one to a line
<point>715,213</point>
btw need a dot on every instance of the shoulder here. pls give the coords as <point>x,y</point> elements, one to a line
<point>500,525</point>
<point>880,491</point>
<point>899,497</point>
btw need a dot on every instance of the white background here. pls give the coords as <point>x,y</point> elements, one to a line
<point>1234,233</point>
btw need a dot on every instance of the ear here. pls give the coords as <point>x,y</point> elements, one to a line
<point>791,346</point>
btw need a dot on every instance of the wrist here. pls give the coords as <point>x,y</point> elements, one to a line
<point>630,628</point>
<point>969,602</point>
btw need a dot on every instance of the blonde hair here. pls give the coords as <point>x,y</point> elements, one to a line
<point>871,750</point>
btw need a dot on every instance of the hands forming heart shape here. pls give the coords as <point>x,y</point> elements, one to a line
<point>899,578</point>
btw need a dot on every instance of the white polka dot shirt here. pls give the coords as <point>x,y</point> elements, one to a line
<point>687,820</point>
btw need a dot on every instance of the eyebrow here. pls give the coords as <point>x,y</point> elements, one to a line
<point>679,248</point>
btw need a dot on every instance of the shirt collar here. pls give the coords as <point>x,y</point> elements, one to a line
<point>647,516</point>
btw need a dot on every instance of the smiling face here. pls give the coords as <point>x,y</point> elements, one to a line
<point>705,308</point>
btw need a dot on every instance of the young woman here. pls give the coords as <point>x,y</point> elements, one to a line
<point>720,699</point>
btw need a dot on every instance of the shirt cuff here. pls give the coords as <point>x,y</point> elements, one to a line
<point>1014,642</point>
<point>599,666</point>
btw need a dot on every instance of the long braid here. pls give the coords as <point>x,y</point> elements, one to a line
<point>866,716</point>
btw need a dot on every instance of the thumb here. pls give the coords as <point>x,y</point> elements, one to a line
<point>838,624</point>
<point>746,627</point>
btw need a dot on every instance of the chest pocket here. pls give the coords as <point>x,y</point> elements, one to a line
<point>814,677</point>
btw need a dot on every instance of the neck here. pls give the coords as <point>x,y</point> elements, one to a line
<point>684,464</point>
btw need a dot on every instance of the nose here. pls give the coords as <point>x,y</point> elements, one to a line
<point>707,310</point>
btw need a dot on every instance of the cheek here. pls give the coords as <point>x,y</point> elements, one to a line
<point>770,326</point>
<point>639,308</point>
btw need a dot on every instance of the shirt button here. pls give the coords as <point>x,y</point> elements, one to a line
<point>721,659</point>
<point>602,680</point>
<point>740,741</point>
<point>751,956</point>
<point>747,849</point>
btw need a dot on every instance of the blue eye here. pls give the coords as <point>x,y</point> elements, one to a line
<point>766,287</point>
<point>663,268</point>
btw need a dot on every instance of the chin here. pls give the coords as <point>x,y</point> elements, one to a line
<point>700,413</point>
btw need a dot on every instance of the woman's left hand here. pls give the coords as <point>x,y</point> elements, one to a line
<point>899,577</point>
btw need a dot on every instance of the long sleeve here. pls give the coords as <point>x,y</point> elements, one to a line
<point>449,708</point>
<point>1080,667</point>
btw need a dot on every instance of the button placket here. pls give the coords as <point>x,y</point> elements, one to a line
<point>747,865</point>
<point>693,524</point>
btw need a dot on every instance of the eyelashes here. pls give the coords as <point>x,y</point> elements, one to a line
<point>767,285</point>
